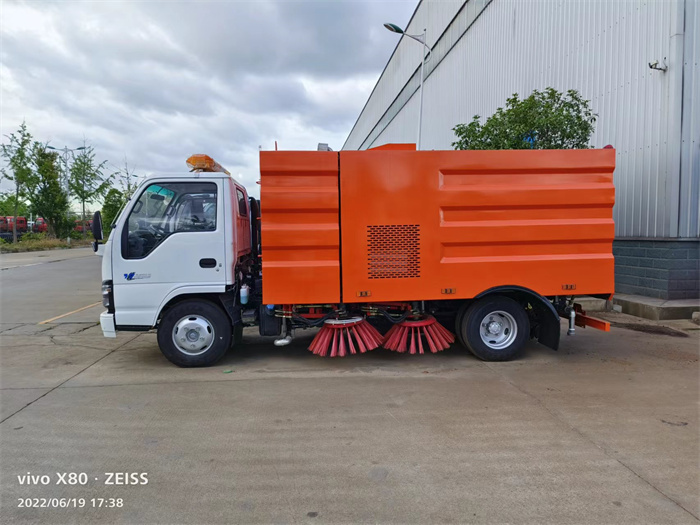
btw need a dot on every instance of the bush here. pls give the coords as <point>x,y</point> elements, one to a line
<point>76,235</point>
<point>31,236</point>
<point>63,227</point>
<point>38,245</point>
<point>545,120</point>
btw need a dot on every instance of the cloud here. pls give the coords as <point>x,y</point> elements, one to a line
<point>158,81</point>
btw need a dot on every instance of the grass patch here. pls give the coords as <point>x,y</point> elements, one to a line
<point>35,245</point>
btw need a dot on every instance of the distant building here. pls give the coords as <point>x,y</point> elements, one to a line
<point>637,61</point>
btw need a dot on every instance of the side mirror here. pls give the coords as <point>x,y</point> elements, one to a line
<point>97,226</point>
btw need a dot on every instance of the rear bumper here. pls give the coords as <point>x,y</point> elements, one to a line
<point>107,324</point>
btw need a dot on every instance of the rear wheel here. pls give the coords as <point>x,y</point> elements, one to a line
<point>495,328</point>
<point>459,319</point>
<point>194,333</point>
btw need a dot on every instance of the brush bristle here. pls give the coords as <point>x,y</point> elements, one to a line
<point>408,337</point>
<point>339,340</point>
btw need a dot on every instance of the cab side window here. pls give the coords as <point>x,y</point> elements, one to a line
<point>165,209</point>
<point>242,207</point>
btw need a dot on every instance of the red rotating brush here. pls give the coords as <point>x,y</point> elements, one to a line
<point>336,337</point>
<point>437,336</point>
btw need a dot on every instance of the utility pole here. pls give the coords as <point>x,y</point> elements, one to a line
<point>66,175</point>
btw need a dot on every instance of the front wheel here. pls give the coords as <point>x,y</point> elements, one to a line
<point>194,333</point>
<point>495,328</point>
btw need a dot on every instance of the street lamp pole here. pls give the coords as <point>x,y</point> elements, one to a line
<point>66,150</point>
<point>422,39</point>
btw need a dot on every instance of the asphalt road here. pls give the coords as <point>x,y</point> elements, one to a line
<point>603,431</point>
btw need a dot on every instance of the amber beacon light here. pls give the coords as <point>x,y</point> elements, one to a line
<point>201,162</point>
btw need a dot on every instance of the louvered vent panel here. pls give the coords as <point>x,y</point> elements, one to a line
<point>393,251</point>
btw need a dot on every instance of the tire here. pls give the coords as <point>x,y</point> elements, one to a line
<point>495,328</point>
<point>205,328</point>
<point>458,323</point>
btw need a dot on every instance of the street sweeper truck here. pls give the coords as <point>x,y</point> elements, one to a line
<point>391,247</point>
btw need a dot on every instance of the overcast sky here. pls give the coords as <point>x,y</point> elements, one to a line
<point>156,81</point>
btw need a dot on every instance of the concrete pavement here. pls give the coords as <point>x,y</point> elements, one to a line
<point>15,260</point>
<point>603,431</point>
<point>36,286</point>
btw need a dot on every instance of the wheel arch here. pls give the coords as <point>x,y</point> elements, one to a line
<point>226,301</point>
<point>547,331</point>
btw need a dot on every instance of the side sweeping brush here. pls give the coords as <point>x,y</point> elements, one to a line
<point>408,336</point>
<point>340,337</point>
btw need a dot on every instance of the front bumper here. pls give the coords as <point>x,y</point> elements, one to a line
<point>107,324</point>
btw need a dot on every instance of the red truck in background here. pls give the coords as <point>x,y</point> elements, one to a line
<point>6,224</point>
<point>79,225</point>
<point>21,224</point>
<point>40,225</point>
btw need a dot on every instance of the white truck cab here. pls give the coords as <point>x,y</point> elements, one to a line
<point>181,244</point>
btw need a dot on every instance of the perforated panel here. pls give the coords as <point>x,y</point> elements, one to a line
<point>393,251</point>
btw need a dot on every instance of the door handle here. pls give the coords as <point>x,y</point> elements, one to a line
<point>207,263</point>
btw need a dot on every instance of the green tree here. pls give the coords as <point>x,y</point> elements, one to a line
<point>48,198</point>
<point>87,181</point>
<point>128,179</point>
<point>17,154</point>
<point>546,119</point>
<point>7,205</point>
<point>114,201</point>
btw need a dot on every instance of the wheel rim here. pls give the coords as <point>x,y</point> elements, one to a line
<point>193,335</point>
<point>498,330</point>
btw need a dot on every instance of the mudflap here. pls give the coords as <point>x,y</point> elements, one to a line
<point>548,330</point>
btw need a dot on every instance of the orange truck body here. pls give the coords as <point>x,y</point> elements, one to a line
<point>395,224</point>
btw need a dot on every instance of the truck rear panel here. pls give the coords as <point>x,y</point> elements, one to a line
<point>433,225</point>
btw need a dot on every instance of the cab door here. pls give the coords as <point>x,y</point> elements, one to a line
<point>172,241</point>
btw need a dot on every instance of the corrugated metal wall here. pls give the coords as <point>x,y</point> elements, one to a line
<point>690,137</point>
<point>600,48</point>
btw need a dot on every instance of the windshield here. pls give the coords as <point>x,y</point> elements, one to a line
<point>167,208</point>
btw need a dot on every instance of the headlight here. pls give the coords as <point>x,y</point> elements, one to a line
<point>107,296</point>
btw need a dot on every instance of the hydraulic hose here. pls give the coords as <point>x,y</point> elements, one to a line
<point>312,323</point>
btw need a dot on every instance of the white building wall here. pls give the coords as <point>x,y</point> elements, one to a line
<point>602,49</point>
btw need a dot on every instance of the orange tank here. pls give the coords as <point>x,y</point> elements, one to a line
<point>395,224</point>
